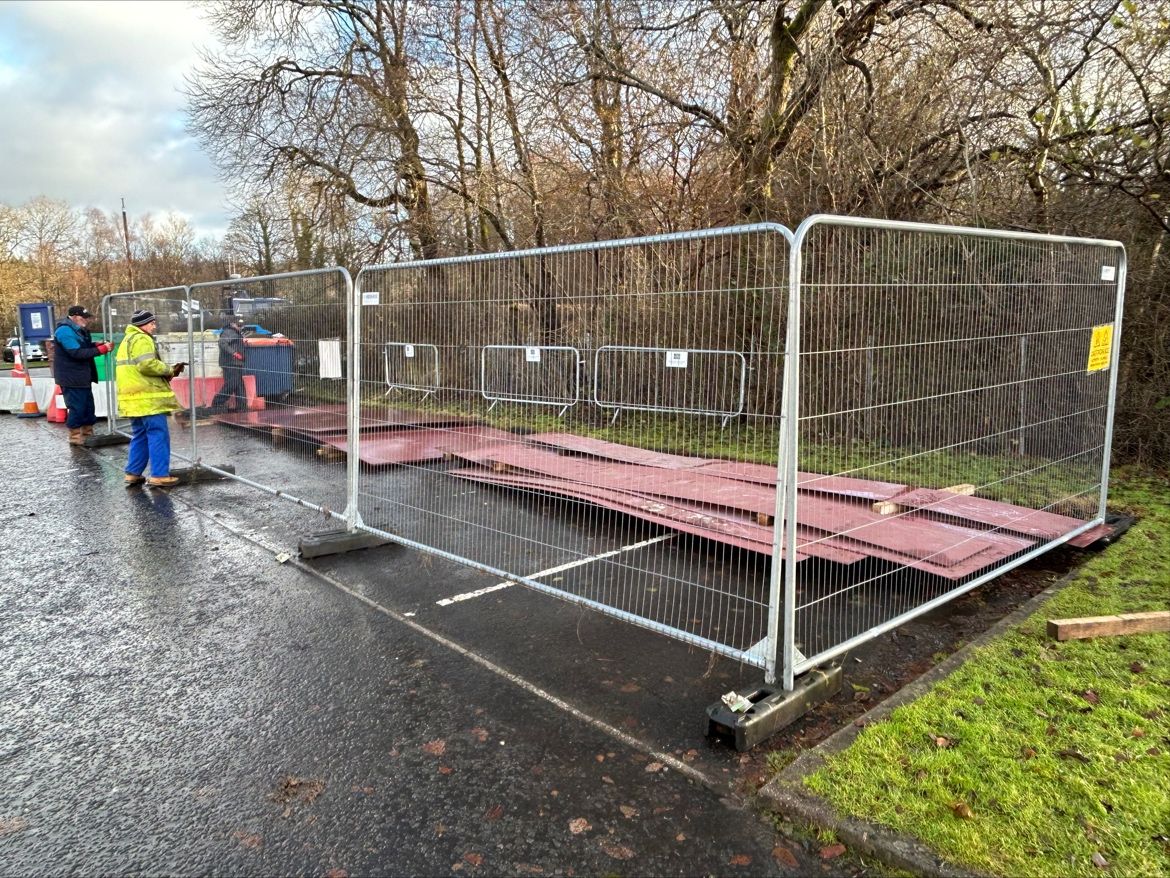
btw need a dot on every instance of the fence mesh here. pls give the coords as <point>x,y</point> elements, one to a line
<point>955,360</point>
<point>294,374</point>
<point>514,401</point>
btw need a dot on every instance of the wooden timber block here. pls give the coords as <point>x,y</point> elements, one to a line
<point>1109,626</point>
<point>889,507</point>
<point>279,436</point>
<point>329,454</point>
<point>964,490</point>
<point>763,518</point>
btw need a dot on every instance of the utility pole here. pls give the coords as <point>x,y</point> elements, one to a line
<point>126,239</point>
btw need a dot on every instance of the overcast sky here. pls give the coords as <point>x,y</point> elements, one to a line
<point>91,108</point>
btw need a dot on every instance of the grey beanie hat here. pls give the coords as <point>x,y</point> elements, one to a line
<point>141,317</point>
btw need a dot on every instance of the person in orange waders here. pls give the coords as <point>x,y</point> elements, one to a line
<point>146,398</point>
<point>75,372</point>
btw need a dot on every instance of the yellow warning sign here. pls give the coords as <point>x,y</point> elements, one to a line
<point>1100,348</point>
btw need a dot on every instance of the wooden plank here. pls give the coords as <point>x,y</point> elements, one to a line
<point>1109,626</point>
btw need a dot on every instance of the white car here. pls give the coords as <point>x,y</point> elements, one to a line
<point>32,351</point>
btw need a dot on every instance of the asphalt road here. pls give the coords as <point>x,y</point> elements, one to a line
<point>176,700</point>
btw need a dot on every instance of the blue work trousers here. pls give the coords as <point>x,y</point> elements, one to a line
<point>150,439</point>
<point>79,403</point>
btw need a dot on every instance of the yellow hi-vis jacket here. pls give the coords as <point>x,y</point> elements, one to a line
<point>142,377</point>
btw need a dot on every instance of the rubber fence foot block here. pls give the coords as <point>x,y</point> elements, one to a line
<point>337,542</point>
<point>101,440</point>
<point>772,708</point>
<point>190,474</point>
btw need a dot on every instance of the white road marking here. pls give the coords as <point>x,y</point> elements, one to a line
<point>468,595</point>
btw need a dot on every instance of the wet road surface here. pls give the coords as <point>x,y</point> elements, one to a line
<point>175,700</point>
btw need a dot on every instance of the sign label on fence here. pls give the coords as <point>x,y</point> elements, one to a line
<point>676,359</point>
<point>1108,272</point>
<point>1100,348</point>
<point>329,357</point>
<point>532,355</point>
<point>408,351</point>
<point>370,298</point>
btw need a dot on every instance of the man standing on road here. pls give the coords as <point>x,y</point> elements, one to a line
<point>75,372</point>
<point>145,396</point>
<point>231,360</point>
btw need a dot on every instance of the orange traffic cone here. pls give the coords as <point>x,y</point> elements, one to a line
<point>18,370</point>
<point>30,409</point>
<point>56,412</point>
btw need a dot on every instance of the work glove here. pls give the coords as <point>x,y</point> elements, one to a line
<point>104,347</point>
<point>237,355</point>
<point>178,370</point>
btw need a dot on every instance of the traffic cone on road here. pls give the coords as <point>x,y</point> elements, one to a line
<point>18,370</point>
<point>56,412</point>
<point>30,409</point>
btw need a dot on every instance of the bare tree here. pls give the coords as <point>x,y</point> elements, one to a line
<point>318,89</point>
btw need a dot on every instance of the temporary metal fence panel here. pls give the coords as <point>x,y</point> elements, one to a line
<point>296,380</point>
<point>530,375</point>
<point>939,357</point>
<point>177,328</point>
<point>474,484</point>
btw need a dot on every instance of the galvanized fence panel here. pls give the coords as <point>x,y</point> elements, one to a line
<point>177,327</point>
<point>941,357</point>
<point>297,380</point>
<point>553,340</point>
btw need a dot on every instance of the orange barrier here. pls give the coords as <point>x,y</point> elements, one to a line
<point>207,388</point>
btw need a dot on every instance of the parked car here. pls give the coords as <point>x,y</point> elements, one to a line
<point>32,351</point>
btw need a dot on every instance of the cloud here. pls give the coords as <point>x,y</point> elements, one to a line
<point>93,111</point>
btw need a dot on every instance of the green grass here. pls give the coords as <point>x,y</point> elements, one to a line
<point>1037,755</point>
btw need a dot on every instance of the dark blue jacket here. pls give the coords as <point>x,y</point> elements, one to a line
<point>73,364</point>
<point>231,341</point>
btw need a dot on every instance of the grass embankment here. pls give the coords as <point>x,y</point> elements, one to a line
<point>1039,757</point>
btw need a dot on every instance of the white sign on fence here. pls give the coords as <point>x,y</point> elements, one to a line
<point>329,357</point>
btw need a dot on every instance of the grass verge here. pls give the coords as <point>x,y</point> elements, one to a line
<point>1038,757</point>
